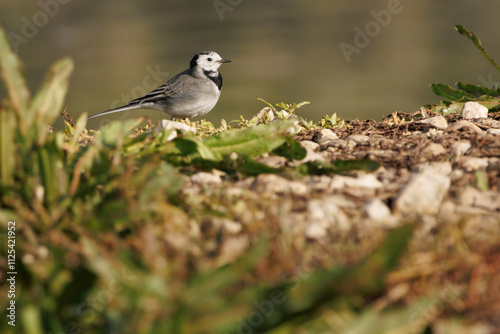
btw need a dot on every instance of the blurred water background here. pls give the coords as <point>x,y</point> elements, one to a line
<point>282,50</point>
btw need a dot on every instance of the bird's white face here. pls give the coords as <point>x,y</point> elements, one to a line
<point>210,61</point>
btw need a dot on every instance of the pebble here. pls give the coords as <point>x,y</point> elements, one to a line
<point>489,200</point>
<point>315,231</point>
<point>438,121</point>
<point>461,147</point>
<point>474,110</point>
<point>334,143</point>
<point>309,145</point>
<point>423,193</point>
<point>463,124</point>
<point>364,181</point>
<point>359,139</point>
<point>377,210</point>
<point>311,155</point>
<point>171,125</point>
<point>273,161</point>
<point>326,135</point>
<point>325,213</point>
<point>443,168</point>
<point>320,182</point>
<point>271,183</point>
<point>435,149</point>
<point>495,132</point>
<point>231,226</point>
<point>206,178</point>
<point>472,163</point>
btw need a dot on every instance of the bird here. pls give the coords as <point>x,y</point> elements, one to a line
<point>189,94</point>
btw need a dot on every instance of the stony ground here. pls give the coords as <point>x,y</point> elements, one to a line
<point>443,172</point>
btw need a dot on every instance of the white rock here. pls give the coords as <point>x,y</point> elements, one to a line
<point>335,143</point>
<point>326,135</point>
<point>311,155</point>
<point>377,210</point>
<point>473,163</point>
<point>461,147</point>
<point>443,168</point>
<point>489,122</point>
<point>495,132</point>
<point>231,226</point>
<point>297,188</point>
<point>320,182</point>
<point>423,193</point>
<point>326,213</point>
<point>489,200</point>
<point>309,145</point>
<point>315,231</point>
<point>438,121</point>
<point>273,161</point>
<point>359,139</point>
<point>474,110</point>
<point>435,149</point>
<point>271,183</point>
<point>171,125</point>
<point>463,124</point>
<point>434,133</point>
<point>364,181</point>
<point>351,143</point>
<point>456,175</point>
<point>206,178</point>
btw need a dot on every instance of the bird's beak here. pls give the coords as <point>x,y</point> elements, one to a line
<point>222,61</point>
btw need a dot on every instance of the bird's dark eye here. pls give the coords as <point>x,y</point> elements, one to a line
<point>209,59</point>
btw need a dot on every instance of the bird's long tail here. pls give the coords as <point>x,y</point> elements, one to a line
<point>119,109</point>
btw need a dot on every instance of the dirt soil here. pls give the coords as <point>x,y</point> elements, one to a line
<point>443,173</point>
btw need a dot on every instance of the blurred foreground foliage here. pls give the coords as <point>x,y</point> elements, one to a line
<point>107,243</point>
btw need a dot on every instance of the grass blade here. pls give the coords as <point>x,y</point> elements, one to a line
<point>477,42</point>
<point>12,72</point>
<point>7,146</point>
<point>48,102</point>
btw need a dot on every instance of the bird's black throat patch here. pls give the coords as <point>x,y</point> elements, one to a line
<point>215,77</point>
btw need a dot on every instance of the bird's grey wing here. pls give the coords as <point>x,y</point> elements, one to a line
<point>170,89</point>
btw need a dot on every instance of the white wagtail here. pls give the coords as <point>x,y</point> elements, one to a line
<point>191,93</point>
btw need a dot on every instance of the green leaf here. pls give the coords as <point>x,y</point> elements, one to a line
<point>79,127</point>
<point>447,107</point>
<point>250,167</point>
<point>251,142</point>
<point>478,91</point>
<point>52,174</point>
<point>482,180</point>
<point>113,136</point>
<point>194,148</point>
<point>267,103</point>
<point>449,93</point>
<point>7,146</point>
<point>12,72</point>
<point>325,286</point>
<point>477,42</point>
<point>410,319</point>
<point>30,319</point>
<point>48,102</point>
<point>204,293</point>
<point>291,150</point>
<point>339,166</point>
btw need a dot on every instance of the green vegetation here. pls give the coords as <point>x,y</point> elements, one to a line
<point>457,97</point>
<point>109,240</point>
